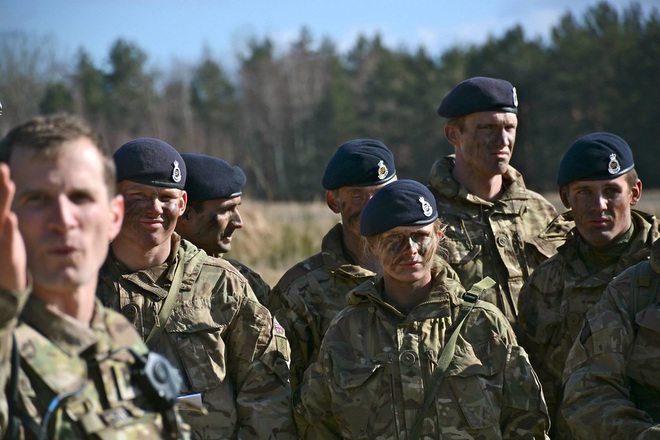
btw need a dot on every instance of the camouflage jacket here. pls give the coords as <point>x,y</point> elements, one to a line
<point>504,240</point>
<point>612,383</point>
<point>90,372</point>
<point>11,303</point>
<point>553,303</point>
<point>260,287</point>
<point>223,341</point>
<point>310,294</point>
<point>375,364</point>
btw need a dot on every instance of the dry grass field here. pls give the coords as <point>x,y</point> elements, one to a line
<point>278,235</point>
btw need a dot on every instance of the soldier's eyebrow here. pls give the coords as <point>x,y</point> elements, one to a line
<point>30,193</point>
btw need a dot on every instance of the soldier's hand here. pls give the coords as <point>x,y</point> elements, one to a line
<point>13,271</point>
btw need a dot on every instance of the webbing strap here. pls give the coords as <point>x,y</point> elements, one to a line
<point>168,305</point>
<point>469,300</point>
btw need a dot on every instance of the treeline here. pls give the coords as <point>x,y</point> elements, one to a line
<point>282,113</point>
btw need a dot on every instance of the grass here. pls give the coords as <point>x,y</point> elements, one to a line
<point>277,235</point>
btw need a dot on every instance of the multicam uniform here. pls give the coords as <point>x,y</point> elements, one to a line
<point>375,364</point>
<point>310,294</point>
<point>78,381</point>
<point>260,287</point>
<point>554,300</point>
<point>612,383</point>
<point>222,340</point>
<point>11,304</point>
<point>504,240</point>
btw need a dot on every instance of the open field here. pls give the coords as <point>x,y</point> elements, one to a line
<point>278,235</point>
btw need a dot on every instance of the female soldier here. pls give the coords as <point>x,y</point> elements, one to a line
<point>411,356</point>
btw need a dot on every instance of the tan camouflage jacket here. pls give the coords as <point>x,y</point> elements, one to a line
<point>223,341</point>
<point>553,303</point>
<point>375,364</point>
<point>11,303</point>
<point>89,369</point>
<point>310,294</point>
<point>504,240</point>
<point>260,287</point>
<point>612,382</point>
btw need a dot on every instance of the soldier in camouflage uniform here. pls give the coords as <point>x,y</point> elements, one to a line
<point>79,370</point>
<point>380,360</point>
<point>612,383</point>
<point>196,310</point>
<point>597,180</point>
<point>311,293</point>
<point>13,283</point>
<point>214,191</point>
<point>496,227</point>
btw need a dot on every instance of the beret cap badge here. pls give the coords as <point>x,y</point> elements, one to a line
<point>613,167</point>
<point>515,97</point>
<point>426,207</point>
<point>382,170</point>
<point>176,172</point>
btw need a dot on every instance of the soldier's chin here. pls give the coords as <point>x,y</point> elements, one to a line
<point>225,244</point>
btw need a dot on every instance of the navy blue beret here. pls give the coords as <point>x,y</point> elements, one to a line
<point>596,156</point>
<point>401,203</point>
<point>212,178</point>
<point>479,94</point>
<point>151,162</point>
<point>360,162</point>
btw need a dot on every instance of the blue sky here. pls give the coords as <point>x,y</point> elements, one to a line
<point>178,30</point>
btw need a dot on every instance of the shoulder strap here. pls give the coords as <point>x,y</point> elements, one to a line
<point>17,416</point>
<point>469,300</point>
<point>168,305</point>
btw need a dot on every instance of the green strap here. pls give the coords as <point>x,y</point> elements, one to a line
<point>469,299</point>
<point>168,305</point>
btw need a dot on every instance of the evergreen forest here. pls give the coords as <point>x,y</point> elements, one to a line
<point>280,113</point>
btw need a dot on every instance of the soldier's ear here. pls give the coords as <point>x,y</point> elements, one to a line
<point>116,213</point>
<point>563,194</point>
<point>331,201</point>
<point>636,192</point>
<point>452,133</point>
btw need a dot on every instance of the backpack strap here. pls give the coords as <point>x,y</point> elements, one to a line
<point>469,300</point>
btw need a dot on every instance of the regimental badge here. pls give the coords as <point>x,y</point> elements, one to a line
<point>427,209</point>
<point>176,172</point>
<point>614,166</point>
<point>515,97</point>
<point>382,170</point>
